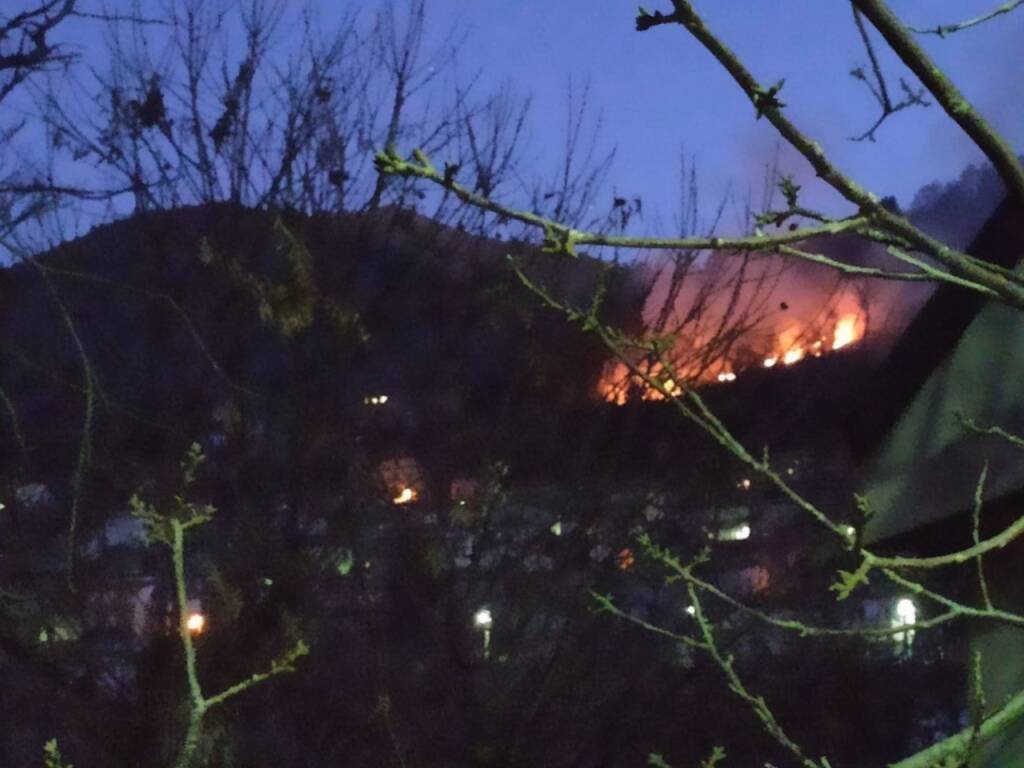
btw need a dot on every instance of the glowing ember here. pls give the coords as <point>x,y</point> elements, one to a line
<point>769,362</point>
<point>407,496</point>
<point>793,356</point>
<point>846,332</point>
<point>195,623</point>
<point>625,559</point>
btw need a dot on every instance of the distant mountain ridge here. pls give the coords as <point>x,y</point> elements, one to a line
<point>954,211</point>
<point>196,317</point>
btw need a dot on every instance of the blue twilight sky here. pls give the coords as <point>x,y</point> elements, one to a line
<point>659,91</point>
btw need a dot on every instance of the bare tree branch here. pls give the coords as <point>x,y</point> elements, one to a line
<point>942,30</point>
<point>949,97</point>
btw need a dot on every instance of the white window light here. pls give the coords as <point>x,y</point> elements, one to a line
<point>904,615</point>
<point>735,533</point>
<point>483,619</point>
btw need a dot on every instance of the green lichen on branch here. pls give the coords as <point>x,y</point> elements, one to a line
<point>170,528</point>
<point>849,580</point>
<point>52,757</point>
<point>159,526</point>
<point>767,99</point>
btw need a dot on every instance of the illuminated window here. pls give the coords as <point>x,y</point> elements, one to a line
<point>735,533</point>
<point>403,479</point>
<point>483,620</point>
<point>904,615</point>
<point>405,496</point>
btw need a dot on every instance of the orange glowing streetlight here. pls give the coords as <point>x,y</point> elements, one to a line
<point>406,496</point>
<point>195,623</point>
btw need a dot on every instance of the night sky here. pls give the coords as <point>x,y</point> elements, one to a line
<point>659,91</point>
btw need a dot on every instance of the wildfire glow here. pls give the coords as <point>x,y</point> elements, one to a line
<point>793,356</point>
<point>407,496</point>
<point>617,380</point>
<point>195,623</point>
<point>846,332</point>
<point>841,326</point>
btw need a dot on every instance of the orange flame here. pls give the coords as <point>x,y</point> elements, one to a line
<point>618,384</point>
<point>794,355</point>
<point>846,332</point>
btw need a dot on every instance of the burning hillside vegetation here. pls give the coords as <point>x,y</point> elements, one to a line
<point>721,315</point>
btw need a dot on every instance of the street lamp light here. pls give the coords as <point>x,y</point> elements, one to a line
<point>483,620</point>
<point>195,623</point>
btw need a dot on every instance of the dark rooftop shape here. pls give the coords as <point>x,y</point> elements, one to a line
<point>931,336</point>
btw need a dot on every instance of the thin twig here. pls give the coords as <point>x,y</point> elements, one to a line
<point>985,137</point>
<point>976,531</point>
<point>947,29</point>
<point>736,685</point>
<point>972,426</point>
<point>881,92</point>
